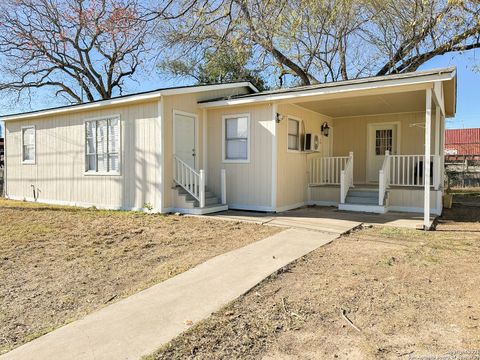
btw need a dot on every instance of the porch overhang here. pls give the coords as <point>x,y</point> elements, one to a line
<point>393,91</point>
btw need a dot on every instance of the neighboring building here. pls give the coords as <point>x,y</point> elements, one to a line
<point>462,141</point>
<point>199,149</point>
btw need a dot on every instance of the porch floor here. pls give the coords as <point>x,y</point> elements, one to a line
<point>326,219</point>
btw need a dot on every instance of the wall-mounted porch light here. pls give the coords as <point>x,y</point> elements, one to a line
<point>280,117</point>
<point>325,129</point>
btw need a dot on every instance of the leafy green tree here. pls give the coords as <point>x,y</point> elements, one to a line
<point>217,66</point>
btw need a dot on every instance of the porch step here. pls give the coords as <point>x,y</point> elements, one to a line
<point>362,200</point>
<point>188,204</point>
<point>363,193</point>
<point>376,209</point>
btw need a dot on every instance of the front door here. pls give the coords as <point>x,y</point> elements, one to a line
<point>184,137</point>
<point>380,137</point>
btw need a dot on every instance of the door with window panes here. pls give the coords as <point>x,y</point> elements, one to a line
<point>381,137</point>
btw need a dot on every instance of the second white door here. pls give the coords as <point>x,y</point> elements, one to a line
<point>184,134</point>
<point>381,137</point>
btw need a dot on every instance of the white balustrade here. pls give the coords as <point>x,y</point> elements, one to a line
<point>346,178</point>
<point>192,181</point>
<point>326,170</point>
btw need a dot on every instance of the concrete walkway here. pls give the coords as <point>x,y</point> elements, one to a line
<point>140,324</point>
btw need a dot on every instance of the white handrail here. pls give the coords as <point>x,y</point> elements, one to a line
<point>346,178</point>
<point>384,178</point>
<point>407,170</point>
<point>192,181</point>
<point>326,170</point>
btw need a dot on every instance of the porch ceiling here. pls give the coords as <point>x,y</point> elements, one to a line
<point>369,104</point>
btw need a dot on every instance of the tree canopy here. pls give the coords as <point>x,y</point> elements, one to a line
<point>89,49</point>
<point>76,47</point>
<point>312,41</point>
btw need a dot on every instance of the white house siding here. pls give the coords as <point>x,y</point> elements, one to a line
<point>292,182</point>
<point>350,134</point>
<point>411,200</point>
<point>58,173</point>
<point>249,185</point>
<point>325,195</point>
<point>186,103</point>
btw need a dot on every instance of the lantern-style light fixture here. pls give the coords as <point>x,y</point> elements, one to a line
<point>325,128</point>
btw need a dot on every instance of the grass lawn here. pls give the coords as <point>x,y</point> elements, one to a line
<point>406,293</point>
<point>58,264</point>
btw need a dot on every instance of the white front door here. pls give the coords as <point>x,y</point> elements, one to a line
<point>184,137</point>
<point>380,137</point>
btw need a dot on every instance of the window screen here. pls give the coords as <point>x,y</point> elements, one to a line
<point>28,144</point>
<point>236,138</point>
<point>293,134</point>
<point>102,150</point>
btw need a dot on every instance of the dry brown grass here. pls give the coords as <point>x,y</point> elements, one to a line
<point>58,264</point>
<point>408,292</point>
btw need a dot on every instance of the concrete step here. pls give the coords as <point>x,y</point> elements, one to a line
<point>186,201</point>
<point>363,193</point>
<point>189,197</point>
<point>376,209</point>
<point>361,200</point>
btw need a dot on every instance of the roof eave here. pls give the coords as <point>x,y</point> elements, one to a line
<point>150,96</point>
<point>340,89</point>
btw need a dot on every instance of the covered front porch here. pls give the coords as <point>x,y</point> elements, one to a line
<point>385,153</point>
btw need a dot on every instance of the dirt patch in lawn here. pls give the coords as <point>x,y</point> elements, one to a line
<point>461,217</point>
<point>58,264</point>
<point>408,292</point>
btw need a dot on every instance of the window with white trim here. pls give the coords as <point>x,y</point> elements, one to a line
<point>293,134</point>
<point>28,145</point>
<point>236,138</point>
<point>102,145</point>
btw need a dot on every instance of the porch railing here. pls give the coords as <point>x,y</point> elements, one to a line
<point>384,178</point>
<point>326,170</point>
<point>408,170</point>
<point>189,179</point>
<point>346,178</point>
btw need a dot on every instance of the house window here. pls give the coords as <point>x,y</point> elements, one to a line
<point>383,141</point>
<point>236,132</point>
<point>28,145</point>
<point>102,146</point>
<point>293,134</point>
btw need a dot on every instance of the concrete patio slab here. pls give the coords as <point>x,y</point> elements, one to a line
<point>140,324</point>
<point>323,218</point>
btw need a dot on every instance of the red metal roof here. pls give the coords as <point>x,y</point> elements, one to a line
<point>462,141</point>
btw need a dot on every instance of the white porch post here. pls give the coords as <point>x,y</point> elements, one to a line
<point>223,186</point>
<point>436,160</point>
<point>273,133</point>
<point>426,162</point>
<point>201,189</point>
<point>437,129</point>
<point>205,144</point>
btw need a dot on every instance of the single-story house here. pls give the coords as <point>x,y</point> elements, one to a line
<point>372,145</point>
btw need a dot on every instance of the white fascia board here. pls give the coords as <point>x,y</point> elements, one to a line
<point>422,79</point>
<point>128,99</point>
<point>83,107</point>
<point>202,88</point>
